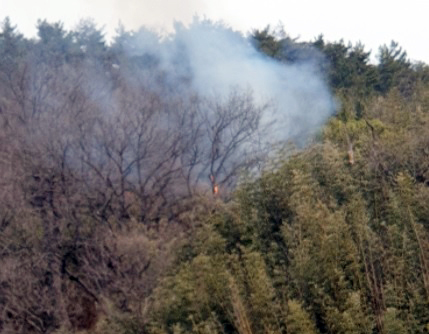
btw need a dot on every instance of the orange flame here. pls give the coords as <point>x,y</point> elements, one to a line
<point>214,185</point>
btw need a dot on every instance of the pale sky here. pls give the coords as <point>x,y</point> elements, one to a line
<point>373,22</point>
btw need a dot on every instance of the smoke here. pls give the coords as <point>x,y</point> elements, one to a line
<point>171,116</point>
<point>216,59</point>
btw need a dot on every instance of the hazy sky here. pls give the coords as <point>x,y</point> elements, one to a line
<point>374,22</point>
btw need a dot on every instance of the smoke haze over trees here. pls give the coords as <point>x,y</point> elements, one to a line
<point>209,182</point>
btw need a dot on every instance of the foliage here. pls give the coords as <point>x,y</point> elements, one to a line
<point>109,224</point>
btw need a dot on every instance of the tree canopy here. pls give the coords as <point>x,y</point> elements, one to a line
<point>131,203</point>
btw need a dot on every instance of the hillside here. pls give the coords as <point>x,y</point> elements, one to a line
<point>133,202</point>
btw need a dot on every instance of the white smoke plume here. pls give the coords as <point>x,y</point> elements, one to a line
<point>217,59</point>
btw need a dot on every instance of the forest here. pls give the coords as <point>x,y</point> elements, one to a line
<point>136,198</point>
